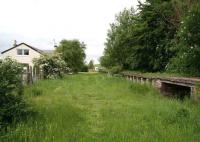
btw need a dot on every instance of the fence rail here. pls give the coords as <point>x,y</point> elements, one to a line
<point>30,76</point>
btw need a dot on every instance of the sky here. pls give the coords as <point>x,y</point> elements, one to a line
<point>40,22</point>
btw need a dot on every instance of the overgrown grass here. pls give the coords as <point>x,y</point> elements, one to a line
<point>97,108</point>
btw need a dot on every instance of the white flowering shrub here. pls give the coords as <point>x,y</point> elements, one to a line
<point>53,66</point>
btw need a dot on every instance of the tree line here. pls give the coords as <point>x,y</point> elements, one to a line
<point>161,35</point>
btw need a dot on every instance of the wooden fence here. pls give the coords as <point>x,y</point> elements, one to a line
<point>170,86</point>
<point>31,75</point>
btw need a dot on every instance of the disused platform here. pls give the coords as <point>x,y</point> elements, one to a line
<point>179,87</point>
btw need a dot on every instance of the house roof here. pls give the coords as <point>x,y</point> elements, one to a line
<point>48,51</point>
<point>36,49</point>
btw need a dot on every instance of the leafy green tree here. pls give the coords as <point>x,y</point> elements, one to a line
<point>188,44</point>
<point>142,40</point>
<point>73,53</point>
<point>106,60</point>
<point>119,40</point>
<point>91,64</point>
<point>156,27</point>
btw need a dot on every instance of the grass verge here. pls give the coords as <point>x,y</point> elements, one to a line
<point>97,108</point>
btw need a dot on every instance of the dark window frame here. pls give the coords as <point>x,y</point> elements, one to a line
<point>23,52</point>
<point>26,52</point>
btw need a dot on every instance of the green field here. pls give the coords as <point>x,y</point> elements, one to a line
<point>97,108</point>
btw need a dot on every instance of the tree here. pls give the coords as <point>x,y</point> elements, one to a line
<point>106,60</point>
<point>156,27</point>
<point>188,44</point>
<point>119,40</point>
<point>73,53</point>
<point>91,64</point>
<point>142,40</point>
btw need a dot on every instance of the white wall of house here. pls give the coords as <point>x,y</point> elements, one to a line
<point>25,59</point>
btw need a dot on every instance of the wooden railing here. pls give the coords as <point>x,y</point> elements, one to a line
<point>168,85</point>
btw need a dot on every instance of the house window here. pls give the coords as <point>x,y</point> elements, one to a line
<point>19,51</point>
<point>22,52</point>
<point>26,52</point>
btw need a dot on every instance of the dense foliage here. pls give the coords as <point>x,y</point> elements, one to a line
<point>53,66</point>
<point>119,40</point>
<point>115,70</point>
<point>149,38</point>
<point>84,68</point>
<point>188,44</point>
<point>73,53</point>
<point>12,105</point>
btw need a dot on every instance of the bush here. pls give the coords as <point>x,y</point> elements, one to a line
<point>52,65</point>
<point>12,105</point>
<point>84,68</point>
<point>115,70</point>
<point>12,109</point>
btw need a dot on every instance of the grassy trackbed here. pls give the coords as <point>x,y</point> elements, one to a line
<point>97,108</point>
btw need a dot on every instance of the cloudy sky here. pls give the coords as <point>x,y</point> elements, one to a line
<point>38,22</point>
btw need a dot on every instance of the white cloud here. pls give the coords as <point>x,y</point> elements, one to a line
<point>38,22</point>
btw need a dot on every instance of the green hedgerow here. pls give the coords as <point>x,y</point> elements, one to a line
<point>12,105</point>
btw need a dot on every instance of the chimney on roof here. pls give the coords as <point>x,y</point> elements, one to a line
<point>54,42</point>
<point>15,43</point>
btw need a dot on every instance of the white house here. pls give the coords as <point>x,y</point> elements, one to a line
<point>24,54</point>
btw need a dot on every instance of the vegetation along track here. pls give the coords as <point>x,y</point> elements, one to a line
<point>97,108</point>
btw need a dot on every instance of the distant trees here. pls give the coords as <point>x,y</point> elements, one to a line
<point>147,40</point>
<point>73,53</point>
<point>91,64</point>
